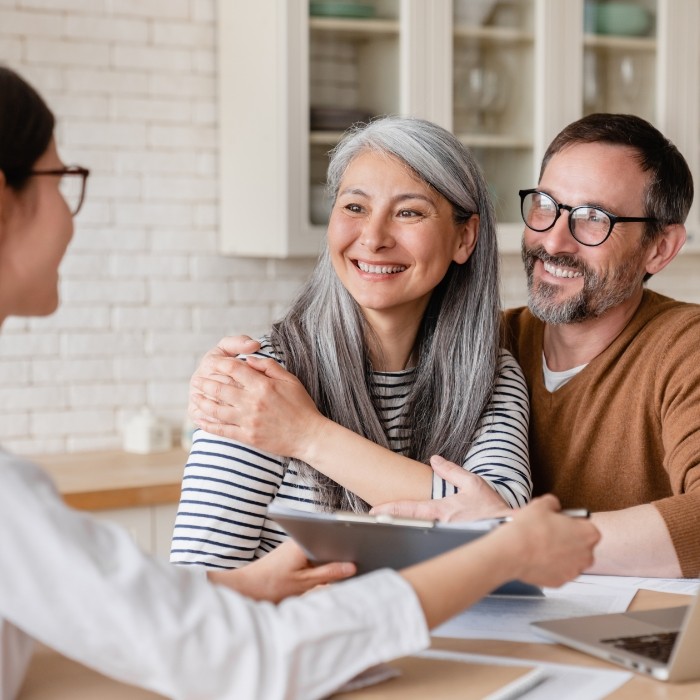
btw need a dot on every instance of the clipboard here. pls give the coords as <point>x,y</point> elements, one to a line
<point>377,542</point>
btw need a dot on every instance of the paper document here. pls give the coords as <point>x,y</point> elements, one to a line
<point>509,617</point>
<point>561,681</point>
<point>688,586</point>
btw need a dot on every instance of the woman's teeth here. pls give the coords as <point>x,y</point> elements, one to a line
<point>380,269</point>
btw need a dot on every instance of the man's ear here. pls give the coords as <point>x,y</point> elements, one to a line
<point>665,248</point>
<point>469,233</point>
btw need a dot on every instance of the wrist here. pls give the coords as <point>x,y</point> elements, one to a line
<point>314,441</point>
<point>512,549</point>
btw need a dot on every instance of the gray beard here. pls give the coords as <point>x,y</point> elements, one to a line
<point>600,292</point>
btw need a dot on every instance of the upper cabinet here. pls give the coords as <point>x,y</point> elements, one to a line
<point>504,75</point>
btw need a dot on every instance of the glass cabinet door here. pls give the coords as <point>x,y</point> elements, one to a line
<point>493,94</point>
<point>353,76</point>
<point>619,59</point>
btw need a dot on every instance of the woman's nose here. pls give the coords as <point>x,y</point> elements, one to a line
<point>376,234</point>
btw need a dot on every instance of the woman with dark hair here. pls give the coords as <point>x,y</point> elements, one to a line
<point>82,586</point>
<point>391,352</point>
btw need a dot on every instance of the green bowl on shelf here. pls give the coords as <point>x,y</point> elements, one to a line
<point>341,9</point>
<point>622,19</point>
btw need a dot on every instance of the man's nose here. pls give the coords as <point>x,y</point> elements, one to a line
<point>558,239</point>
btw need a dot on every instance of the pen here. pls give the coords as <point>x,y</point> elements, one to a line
<point>520,687</point>
<point>571,512</point>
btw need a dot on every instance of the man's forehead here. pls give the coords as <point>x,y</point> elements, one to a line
<point>596,172</point>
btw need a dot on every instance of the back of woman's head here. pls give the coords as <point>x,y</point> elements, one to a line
<point>26,127</point>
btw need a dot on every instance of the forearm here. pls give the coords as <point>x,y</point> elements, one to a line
<point>84,588</point>
<point>456,580</point>
<point>373,472</point>
<point>635,542</point>
<point>226,489</point>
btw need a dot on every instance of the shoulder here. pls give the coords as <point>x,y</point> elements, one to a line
<point>509,373</point>
<point>521,332</point>
<point>661,310</point>
<point>268,350</point>
<point>21,478</point>
<point>675,325</point>
<point>507,364</point>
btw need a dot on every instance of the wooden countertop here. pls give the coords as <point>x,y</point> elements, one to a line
<point>116,479</point>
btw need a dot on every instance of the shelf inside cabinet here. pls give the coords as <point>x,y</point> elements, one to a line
<point>356,29</point>
<point>496,35</point>
<point>622,43</point>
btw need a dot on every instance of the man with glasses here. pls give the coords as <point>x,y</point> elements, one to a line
<point>613,369</point>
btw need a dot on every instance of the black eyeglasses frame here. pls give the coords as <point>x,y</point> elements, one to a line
<point>69,171</point>
<point>614,219</point>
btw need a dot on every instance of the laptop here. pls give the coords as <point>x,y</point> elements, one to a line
<point>662,643</point>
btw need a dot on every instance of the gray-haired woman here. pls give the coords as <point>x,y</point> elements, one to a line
<point>391,356</point>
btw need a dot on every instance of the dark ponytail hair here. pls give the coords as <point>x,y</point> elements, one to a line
<point>26,127</point>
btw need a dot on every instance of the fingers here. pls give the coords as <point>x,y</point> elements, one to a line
<point>404,509</point>
<point>232,345</point>
<point>268,367</point>
<point>548,501</point>
<point>328,573</point>
<point>451,472</point>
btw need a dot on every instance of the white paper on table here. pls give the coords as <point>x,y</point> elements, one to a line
<point>509,617</point>
<point>688,586</point>
<point>562,681</point>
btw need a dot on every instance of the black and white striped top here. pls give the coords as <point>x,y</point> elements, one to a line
<point>222,517</point>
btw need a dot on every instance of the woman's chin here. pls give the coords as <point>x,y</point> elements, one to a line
<point>41,307</point>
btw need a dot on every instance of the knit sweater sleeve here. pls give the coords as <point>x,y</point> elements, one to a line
<point>677,394</point>
<point>499,451</point>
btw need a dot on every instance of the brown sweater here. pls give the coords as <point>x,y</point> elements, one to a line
<point>625,430</point>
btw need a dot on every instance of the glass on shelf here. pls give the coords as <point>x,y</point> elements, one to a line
<point>493,97</point>
<point>482,86</point>
<point>353,76</point>
<point>619,64</point>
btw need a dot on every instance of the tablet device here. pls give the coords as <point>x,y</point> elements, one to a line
<point>376,542</point>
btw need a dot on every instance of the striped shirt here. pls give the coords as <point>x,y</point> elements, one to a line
<point>227,486</point>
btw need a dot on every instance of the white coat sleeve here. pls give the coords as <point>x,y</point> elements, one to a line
<point>83,588</point>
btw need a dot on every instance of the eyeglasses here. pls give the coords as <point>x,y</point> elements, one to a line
<point>588,225</point>
<point>72,184</point>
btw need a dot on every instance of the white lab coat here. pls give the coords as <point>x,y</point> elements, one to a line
<point>82,587</point>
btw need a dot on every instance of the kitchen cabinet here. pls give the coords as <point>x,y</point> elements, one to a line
<point>138,492</point>
<point>505,76</point>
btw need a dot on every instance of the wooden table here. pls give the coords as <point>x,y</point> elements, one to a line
<point>53,677</point>
<point>115,479</point>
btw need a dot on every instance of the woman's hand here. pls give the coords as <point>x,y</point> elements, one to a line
<point>476,499</point>
<point>551,548</point>
<point>253,400</point>
<point>282,573</point>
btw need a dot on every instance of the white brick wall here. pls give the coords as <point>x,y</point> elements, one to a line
<point>144,290</point>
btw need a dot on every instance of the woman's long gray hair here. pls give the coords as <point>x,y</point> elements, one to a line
<point>325,339</point>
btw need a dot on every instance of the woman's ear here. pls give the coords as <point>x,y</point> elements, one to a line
<point>664,248</point>
<point>468,235</point>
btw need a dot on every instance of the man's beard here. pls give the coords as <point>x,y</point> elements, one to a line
<point>600,291</point>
